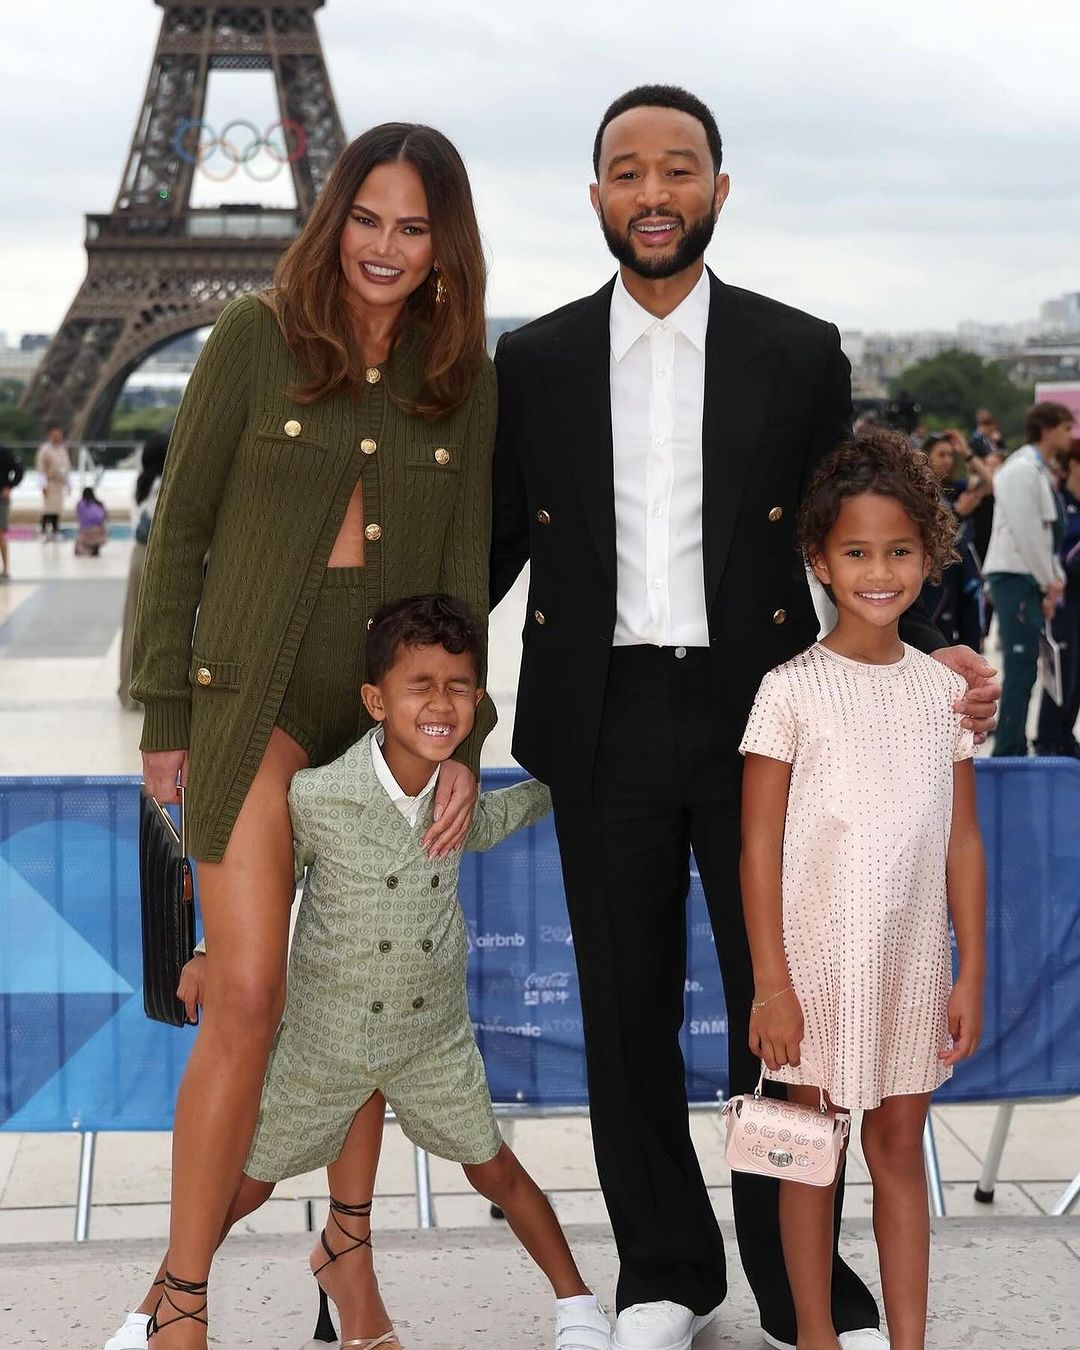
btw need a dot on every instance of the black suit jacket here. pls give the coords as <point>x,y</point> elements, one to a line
<point>777,397</point>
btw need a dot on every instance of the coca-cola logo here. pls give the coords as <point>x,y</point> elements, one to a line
<point>552,979</point>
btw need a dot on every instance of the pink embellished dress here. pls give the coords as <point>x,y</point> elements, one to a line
<point>866,929</point>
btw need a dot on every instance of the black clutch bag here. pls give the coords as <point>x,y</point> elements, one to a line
<point>168,909</point>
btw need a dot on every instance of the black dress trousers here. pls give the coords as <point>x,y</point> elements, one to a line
<point>668,781</point>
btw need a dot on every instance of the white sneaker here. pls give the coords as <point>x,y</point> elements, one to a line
<point>867,1338</point>
<point>132,1335</point>
<point>582,1328</point>
<point>658,1326</point>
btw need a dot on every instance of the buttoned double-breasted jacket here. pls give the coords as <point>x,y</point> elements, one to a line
<point>777,398</point>
<point>377,967</point>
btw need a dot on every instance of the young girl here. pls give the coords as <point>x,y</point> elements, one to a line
<point>860,839</point>
<point>93,524</point>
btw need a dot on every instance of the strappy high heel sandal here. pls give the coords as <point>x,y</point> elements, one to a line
<point>324,1327</point>
<point>174,1285</point>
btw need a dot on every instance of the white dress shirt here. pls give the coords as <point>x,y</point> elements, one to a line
<point>408,806</point>
<point>1025,513</point>
<point>657,402</point>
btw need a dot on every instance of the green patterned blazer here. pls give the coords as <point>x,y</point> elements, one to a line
<point>377,967</point>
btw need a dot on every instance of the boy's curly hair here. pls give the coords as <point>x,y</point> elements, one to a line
<point>421,621</point>
<point>882,461</point>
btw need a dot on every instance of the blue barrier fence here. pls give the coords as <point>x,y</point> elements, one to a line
<point>77,1053</point>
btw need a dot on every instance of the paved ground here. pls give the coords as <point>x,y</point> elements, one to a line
<point>1013,1285</point>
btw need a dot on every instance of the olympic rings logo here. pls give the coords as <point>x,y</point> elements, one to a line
<point>219,156</point>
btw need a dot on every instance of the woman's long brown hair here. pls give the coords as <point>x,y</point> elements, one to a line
<point>307,295</point>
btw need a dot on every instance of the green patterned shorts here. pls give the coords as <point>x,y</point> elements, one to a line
<point>439,1096</point>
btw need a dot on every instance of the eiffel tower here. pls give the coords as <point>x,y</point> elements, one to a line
<point>156,266</point>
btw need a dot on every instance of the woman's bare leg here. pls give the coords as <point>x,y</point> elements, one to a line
<point>245,902</point>
<point>892,1145</point>
<point>350,1281</point>
<point>251,1196</point>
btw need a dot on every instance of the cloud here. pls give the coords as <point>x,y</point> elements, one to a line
<point>892,167</point>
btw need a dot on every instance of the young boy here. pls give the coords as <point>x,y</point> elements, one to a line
<point>376,1007</point>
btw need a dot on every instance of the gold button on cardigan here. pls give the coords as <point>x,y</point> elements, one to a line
<point>262,504</point>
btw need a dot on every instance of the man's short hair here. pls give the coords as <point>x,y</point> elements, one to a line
<point>1045,417</point>
<point>662,96</point>
<point>421,621</point>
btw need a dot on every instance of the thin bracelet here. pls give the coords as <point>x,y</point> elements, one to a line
<point>756,1003</point>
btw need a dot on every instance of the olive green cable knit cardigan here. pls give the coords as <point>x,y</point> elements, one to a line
<point>257,484</point>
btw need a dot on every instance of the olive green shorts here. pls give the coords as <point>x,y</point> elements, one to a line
<point>322,710</point>
<point>439,1096</point>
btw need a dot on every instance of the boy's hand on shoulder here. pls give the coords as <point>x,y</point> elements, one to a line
<point>965,1020</point>
<point>776,1031</point>
<point>456,794</point>
<point>192,986</point>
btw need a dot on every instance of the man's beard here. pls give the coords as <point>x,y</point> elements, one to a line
<point>694,242</point>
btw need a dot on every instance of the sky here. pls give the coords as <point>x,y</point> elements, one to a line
<point>893,166</point>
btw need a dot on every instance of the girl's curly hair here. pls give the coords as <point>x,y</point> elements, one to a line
<point>882,461</point>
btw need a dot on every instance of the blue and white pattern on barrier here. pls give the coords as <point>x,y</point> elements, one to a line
<point>76,1051</point>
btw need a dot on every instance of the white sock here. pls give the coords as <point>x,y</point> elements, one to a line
<point>578,1301</point>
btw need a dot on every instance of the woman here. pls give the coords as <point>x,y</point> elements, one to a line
<point>93,518</point>
<point>147,488</point>
<point>332,452</point>
<point>954,604</point>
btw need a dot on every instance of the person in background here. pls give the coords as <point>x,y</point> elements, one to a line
<point>54,464</point>
<point>982,518</point>
<point>986,439</point>
<point>955,602</point>
<point>1021,564</point>
<point>93,524</point>
<point>11,473</point>
<point>147,487</point>
<point>1057,725</point>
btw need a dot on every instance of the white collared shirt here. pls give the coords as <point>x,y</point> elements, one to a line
<point>657,403</point>
<point>1025,513</point>
<point>408,806</point>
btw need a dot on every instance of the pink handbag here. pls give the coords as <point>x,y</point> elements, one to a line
<point>779,1139</point>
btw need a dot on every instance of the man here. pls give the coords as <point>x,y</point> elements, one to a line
<point>54,464</point>
<point>653,442</point>
<point>1021,564</point>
